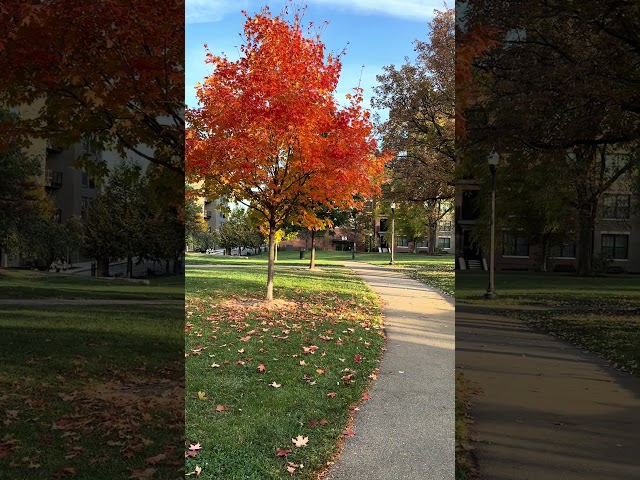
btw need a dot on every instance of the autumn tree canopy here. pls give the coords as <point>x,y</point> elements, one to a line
<point>559,87</point>
<point>110,68</point>
<point>268,132</point>
<point>420,97</point>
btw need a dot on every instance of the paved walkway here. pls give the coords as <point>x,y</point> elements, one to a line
<point>546,410</point>
<point>406,429</point>
<point>35,302</point>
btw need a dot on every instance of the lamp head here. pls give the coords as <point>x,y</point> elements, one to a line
<point>393,206</point>
<point>493,159</point>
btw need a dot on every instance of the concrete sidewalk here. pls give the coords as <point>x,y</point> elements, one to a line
<point>545,410</point>
<point>406,429</point>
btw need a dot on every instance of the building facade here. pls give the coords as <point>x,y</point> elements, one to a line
<point>616,236</point>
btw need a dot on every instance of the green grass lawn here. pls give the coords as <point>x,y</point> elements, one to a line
<point>550,289</point>
<point>259,377</point>
<point>91,391</point>
<point>599,314</point>
<point>25,284</point>
<point>437,271</point>
<point>323,258</point>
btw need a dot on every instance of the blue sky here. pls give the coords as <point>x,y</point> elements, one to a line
<point>375,33</point>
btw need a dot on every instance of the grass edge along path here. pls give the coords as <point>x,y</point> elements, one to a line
<point>271,389</point>
<point>466,467</point>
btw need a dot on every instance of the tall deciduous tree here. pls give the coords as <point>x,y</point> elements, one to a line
<point>420,97</point>
<point>113,68</point>
<point>561,83</point>
<point>270,134</point>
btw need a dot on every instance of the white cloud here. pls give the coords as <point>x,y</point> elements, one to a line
<point>204,11</point>
<point>419,10</point>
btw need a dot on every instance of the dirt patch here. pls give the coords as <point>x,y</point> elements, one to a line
<point>259,304</point>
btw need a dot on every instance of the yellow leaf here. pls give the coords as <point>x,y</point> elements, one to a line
<point>202,396</point>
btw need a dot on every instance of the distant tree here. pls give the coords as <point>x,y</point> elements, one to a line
<point>120,79</point>
<point>420,97</point>
<point>22,198</point>
<point>269,133</point>
<point>117,219</point>
<point>558,86</point>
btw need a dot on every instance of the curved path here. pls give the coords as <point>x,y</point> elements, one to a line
<point>406,429</point>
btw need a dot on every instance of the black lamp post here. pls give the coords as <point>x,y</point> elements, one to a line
<point>491,288</point>
<point>355,232</point>
<point>393,231</point>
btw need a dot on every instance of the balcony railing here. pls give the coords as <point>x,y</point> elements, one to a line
<point>52,179</point>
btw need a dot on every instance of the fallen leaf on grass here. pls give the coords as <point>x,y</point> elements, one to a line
<point>202,396</point>
<point>261,368</point>
<point>275,385</point>
<point>195,446</point>
<point>282,452</point>
<point>348,432</point>
<point>332,394</point>
<point>156,458</point>
<point>357,358</point>
<point>300,441</point>
<point>365,397</point>
<point>143,474</point>
<point>196,472</point>
<point>320,371</point>
<point>215,365</point>
<point>220,408</point>
<point>303,363</point>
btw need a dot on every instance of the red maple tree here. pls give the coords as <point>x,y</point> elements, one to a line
<point>269,134</point>
<point>110,68</point>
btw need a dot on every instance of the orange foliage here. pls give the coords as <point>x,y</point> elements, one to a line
<point>269,133</point>
<point>470,46</point>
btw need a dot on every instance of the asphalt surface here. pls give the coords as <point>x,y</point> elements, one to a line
<point>545,410</point>
<point>406,429</point>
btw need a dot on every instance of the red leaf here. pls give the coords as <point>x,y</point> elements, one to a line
<point>348,432</point>
<point>220,408</point>
<point>261,368</point>
<point>332,394</point>
<point>283,453</point>
<point>357,358</point>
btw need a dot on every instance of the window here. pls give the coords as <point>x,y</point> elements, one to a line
<point>444,242</point>
<point>402,241</point>
<point>383,224</point>
<point>84,207</point>
<point>515,245</point>
<point>57,215</point>
<point>85,179</point>
<point>615,245</point>
<point>566,250</point>
<point>445,226</point>
<point>423,244</point>
<point>88,146</point>
<point>616,206</point>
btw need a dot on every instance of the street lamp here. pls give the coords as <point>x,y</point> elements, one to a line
<point>491,288</point>
<point>393,230</point>
<point>355,234</point>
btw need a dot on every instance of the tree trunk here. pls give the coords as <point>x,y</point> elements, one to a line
<point>312,264</point>
<point>275,254</point>
<point>271,262</point>
<point>433,238</point>
<point>102,267</point>
<point>129,266</point>
<point>166,266</point>
<point>545,248</point>
<point>586,225</point>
